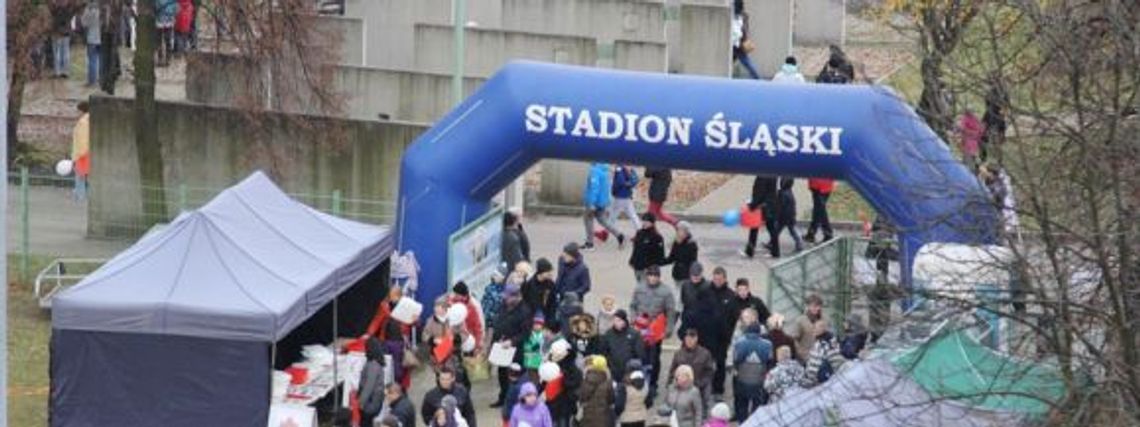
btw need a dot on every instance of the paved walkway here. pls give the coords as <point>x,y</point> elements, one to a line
<point>58,226</point>
<point>738,190</point>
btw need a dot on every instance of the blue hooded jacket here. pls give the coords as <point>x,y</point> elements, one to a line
<point>625,179</point>
<point>597,194</point>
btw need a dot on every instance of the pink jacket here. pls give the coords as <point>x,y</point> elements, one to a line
<point>972,130</point>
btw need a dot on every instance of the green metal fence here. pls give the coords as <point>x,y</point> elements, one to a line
<point>826,270</point>
<point>41,193</point>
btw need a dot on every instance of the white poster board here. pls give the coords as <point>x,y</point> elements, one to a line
<point>473,252</point>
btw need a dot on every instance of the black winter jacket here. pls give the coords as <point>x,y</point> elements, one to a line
<point>741,304</point>
<point>682,255</point>
<point>514,324</point>
<point>620,347</point>
<point>539,296</point>
<point>434,399</point>
<point>648,249</point>
<point>660,180</point>
<point>763,191</point>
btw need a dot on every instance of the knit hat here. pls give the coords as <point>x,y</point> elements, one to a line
<point>721,411</point>
<point>461,289</point>
<point>543,266</point>
<point>721,271</point>
<point>598,362</point>
<point>653,270</point>
<point>539,319</point>
<point>500,273</point>
<point>621,314</point>
<point>515,368</point>
<point>572,250</point>
<point>559,350</point>
<point>648,217</point>
<point>696,269</point>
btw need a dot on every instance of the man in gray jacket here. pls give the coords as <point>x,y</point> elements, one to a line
<point>650,300</point>
<point>92,27</point>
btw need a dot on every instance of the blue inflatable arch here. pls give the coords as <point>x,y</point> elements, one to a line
<point>531,111</point>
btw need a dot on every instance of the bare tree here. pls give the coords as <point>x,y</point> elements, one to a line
<point>30,24</point>
<point>939,26</point>
<point>1070,75</point>
<point>279,39</point>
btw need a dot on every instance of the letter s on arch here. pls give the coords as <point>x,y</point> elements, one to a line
<point>536,118</point>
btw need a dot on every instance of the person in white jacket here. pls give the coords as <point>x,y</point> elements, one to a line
<point>789,72</point>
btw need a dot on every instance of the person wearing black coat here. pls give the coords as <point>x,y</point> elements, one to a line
<point>573,274</point>
<point>399,405</point>
<point>512,325</point>
<point>683,253</point>
<point>718,325</point>
<point>785,216</point>
<point>763,197</point>
<point>745,300</point>
<point>446,386</point>
<point>659,181</point>
<point>621,344</point>
<point>538,292</point>
<point>515,246</point>
<point>648,247</point>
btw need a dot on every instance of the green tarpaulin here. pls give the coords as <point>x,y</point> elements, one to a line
<point>955,366</point>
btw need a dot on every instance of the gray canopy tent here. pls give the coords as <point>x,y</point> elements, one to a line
<point>179,329</point>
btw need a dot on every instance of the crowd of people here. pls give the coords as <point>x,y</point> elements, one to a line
<point>572,367</point>
<point>104,28</point>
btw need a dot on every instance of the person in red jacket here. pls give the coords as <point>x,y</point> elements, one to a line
<point>183,25</point>
<point>820,191</point>
<point>460,294</point>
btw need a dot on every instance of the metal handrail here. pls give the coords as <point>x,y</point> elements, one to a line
<point>55,275</point>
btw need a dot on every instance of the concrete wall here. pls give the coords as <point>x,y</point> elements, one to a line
<point>706,33</point>
<point>404,95</point>
<point>771,25</point>
<point>218,79</point>
<point>487,50</point>
<point>639,56</point>
<point>820,22</point>
<point>390,34</point>
<point>606,20</point>
<point>211,148</point>
<point>348,33</point>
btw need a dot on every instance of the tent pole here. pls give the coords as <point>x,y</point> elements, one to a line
<point>336,319</point>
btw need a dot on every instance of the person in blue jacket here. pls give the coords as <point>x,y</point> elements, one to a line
<point>625,180</point>
<point>596,198</point>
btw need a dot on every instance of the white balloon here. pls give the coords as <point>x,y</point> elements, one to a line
<point>549,371</point>
<point>456,314</point>
<point>64,167</point>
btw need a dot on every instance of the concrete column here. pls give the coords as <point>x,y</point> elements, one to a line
<point>771,26</point>
<point>673,35</point>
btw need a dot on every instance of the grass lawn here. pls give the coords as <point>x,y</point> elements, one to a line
<point>846,205</point>
<point>29,330</point>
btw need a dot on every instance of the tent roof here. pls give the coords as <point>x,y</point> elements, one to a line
<point>872,393</point>
<point>955,366</point>
<point>252,264</point>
